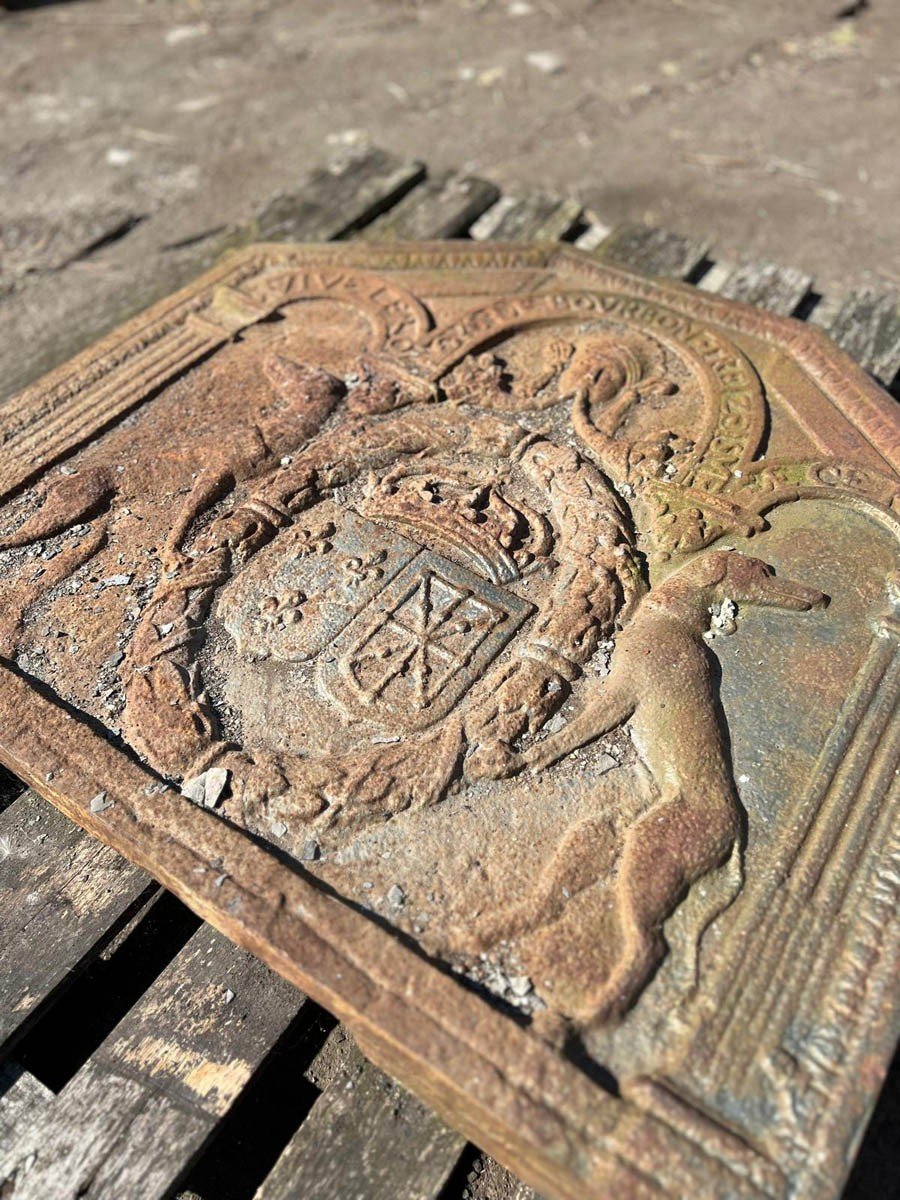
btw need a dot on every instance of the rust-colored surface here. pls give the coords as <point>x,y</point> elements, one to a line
<point>504,647</point>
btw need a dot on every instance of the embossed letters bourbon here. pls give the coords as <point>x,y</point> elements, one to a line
<point>504,647</point>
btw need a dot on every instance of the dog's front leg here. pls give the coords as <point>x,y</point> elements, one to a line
<point>600,714</point>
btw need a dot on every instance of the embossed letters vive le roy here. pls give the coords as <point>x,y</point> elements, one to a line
<point>505,648</point>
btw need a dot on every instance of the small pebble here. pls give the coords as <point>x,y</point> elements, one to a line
<point>310,851</point>
<point>184,33</point>
<point>100,803</point>
<point>396,895</point>
<point>229,995</point>
<point>206,789</point>
<point>546,61</point>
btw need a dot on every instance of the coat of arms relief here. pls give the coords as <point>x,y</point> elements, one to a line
<point>440,615</point>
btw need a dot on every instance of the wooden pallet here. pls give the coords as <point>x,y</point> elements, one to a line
<point>141,1054</point>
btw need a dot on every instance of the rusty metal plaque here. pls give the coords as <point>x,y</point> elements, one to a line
<point>504,647</point>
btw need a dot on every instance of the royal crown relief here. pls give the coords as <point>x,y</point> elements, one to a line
<point>438,619</point>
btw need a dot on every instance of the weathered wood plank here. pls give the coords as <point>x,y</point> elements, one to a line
<point>132,1120</point>
<point>366,1138</point>
<point>62,895</point>
<point>22,1098</point>
<point>779,289</point>
<point>594,236</point>
<point>653,251</point>
<point>536,218</point>
<point>442,207</point>
<point>332,202</point>
<point>825,310</point>
<point>714,278</point>
<point>867,326</point>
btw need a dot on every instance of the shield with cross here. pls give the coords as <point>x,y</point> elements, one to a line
<point>421,642</point>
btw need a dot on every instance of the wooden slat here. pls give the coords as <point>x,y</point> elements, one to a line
<point>333,202</point>
<point>444,206</point>
<point>714,278</point>
<point>62,893</point>
<point>653,251</point>
<point>22,1098</point>
<point>825,310</point>
<point>132,1120</point>
<point>867,326</point>
<point>779,289</point>
<point>536,218</point>
<point>366,1138</point>
<point>593,237</point>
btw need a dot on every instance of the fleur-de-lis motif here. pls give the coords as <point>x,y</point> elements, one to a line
<point>360,569</point>
<point>313,540</point>
<point>283,609</point>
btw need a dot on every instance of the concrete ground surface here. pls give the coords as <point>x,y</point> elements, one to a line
<point>769,127</point>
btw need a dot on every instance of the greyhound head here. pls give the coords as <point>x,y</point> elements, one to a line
<point>728,574</point>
